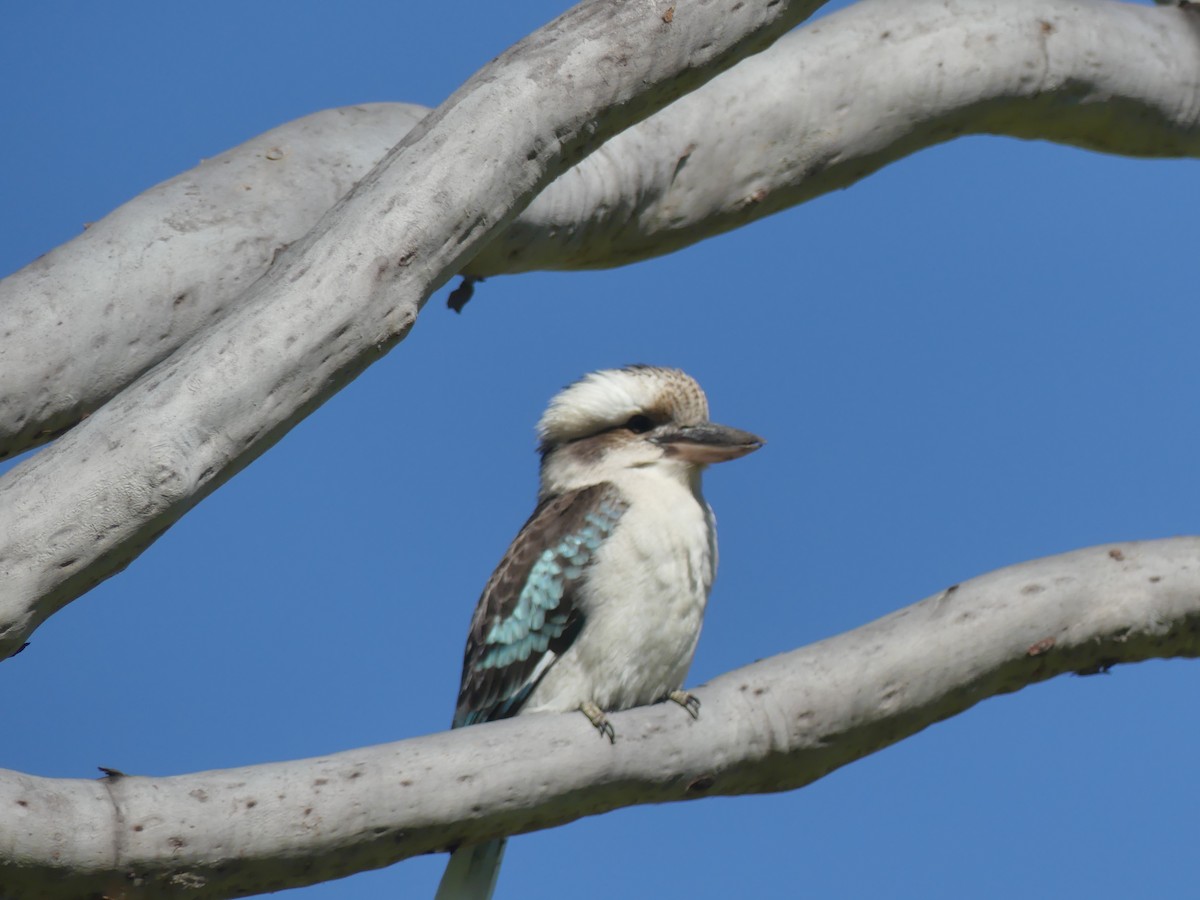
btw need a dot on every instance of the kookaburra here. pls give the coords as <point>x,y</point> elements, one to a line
<point>597,604</point>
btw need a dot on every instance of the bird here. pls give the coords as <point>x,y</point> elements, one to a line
<point>598,602</point>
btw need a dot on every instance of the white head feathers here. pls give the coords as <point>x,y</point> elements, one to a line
<point>610,397</point>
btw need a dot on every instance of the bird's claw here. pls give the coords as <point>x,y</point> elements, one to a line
<point>599,721</point>
<point>690,702</point>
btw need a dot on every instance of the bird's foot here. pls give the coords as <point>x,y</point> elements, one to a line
<point>599,720</point>
<point>690,702</point>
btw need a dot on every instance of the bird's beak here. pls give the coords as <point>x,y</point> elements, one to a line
<point>708,443</point>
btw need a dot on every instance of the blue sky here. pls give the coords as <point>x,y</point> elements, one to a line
<point>981,355</point>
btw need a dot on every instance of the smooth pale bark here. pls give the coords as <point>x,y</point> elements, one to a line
<point>341,297</point>
<point>776,725</point>
<point>80,323</point>
<point>849,93</point>
<point>822,108</point>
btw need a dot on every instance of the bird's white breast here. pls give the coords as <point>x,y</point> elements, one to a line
<point>643,600</point>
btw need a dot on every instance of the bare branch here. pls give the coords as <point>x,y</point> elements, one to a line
<point>776,725</point>
<point>86,319</point>
<point>821,109</point>
<point>852,92</point>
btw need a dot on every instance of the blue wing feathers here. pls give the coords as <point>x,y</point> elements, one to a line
<point>527,628</point>
<point>511,635</point>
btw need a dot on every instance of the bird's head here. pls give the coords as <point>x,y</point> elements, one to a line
<point>638,417</point>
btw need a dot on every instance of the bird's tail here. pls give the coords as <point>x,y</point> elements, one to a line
<point>471,872</point>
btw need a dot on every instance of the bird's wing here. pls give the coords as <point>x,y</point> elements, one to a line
<point>529,613</point>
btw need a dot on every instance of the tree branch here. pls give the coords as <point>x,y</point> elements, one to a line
<point>821,109</point>
<point>848,94</point>
<point>86,319</point>
<point>776,725</point>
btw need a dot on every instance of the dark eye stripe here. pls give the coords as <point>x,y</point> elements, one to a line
<point>639,424</point>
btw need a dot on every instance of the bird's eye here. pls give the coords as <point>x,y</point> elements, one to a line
<point>639,424</point>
